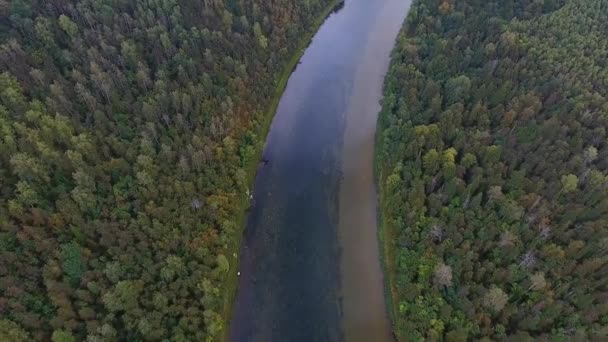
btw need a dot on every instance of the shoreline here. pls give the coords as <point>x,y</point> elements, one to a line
<point>231,281</point>
<point>360,229</point>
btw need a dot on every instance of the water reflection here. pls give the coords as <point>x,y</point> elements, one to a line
<point>295,283</point>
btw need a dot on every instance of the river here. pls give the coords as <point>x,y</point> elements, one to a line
<point>310,262</point>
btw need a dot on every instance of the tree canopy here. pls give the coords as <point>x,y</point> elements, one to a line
<point>126,131</point>
<point>492,164</point>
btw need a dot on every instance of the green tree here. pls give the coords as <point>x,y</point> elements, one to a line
<point>68,26</point>
<point>10,331</point>
<point>72,263</point>
<point>62,336</point>
<point>124,296</point>
<point>569,183</point>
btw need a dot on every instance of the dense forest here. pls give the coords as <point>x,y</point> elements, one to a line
<point>493,160</point>
<point>127,131</point>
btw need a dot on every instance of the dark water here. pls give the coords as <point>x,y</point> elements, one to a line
<point>310,268</point>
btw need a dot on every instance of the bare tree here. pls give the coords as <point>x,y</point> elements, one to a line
<point>436,233</point>
<point>196,204</point>
<point>538,281</point>
<point>528,260</point>
<point>507,239</point>
<point>443,275</point>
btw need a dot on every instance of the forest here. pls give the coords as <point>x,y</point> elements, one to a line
<point>127,133</point>
<point>492,159</point>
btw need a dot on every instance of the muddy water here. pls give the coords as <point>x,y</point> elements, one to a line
<point>310,268</point>
<point>364,309</point>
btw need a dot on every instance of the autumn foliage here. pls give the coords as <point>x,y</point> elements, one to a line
<point>126,129</point>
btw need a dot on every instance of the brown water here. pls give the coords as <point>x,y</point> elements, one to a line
<point>365,318</point>
<point>310,265</point>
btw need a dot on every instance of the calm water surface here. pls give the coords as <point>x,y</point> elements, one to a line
<point>310,268</point>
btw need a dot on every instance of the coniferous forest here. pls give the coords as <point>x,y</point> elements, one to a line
<point>492,158</point>
<point>127,131</point>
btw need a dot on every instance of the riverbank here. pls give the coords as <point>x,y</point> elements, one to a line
<point>385,237</point>
<point>384,232</point>
<point>231,282</point>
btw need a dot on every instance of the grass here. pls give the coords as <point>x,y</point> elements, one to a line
<point>385,234</point>
<point>387,252</point>
<point>231,282</point>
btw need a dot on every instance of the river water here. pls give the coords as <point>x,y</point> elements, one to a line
<point>310,262</point>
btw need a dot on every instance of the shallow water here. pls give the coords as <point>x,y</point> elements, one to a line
<point>310,268</point>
